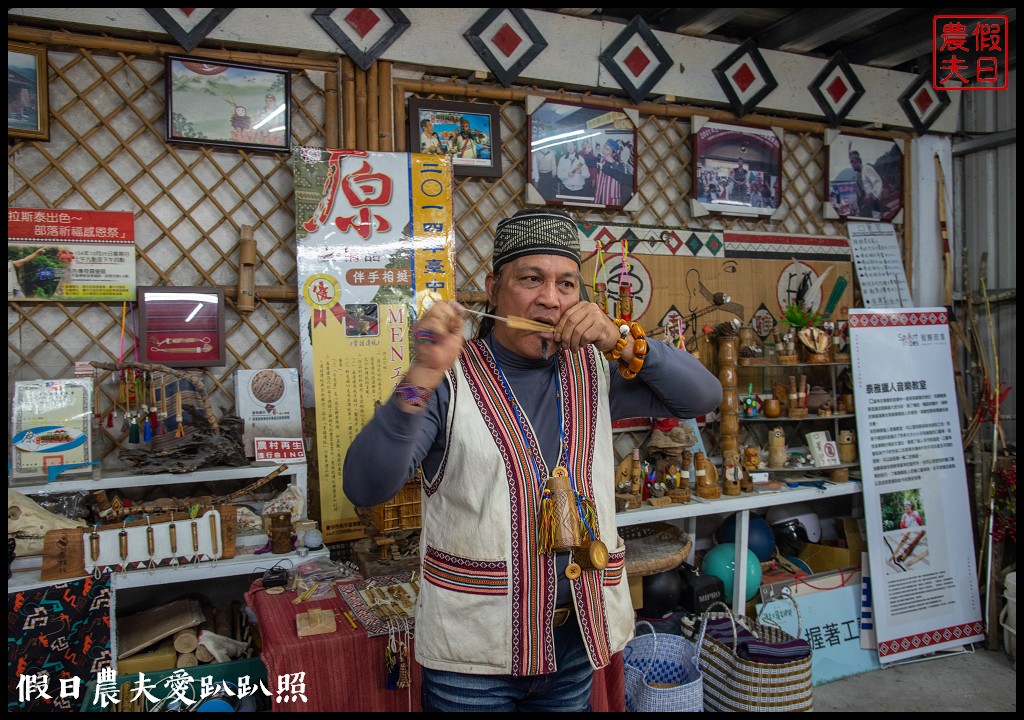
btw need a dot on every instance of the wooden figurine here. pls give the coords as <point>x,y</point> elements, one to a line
<point>847,446</point>
<point>732,472</point>
<point>679,491</point>
<point>751,458</point>
<point>707,477</point>
<point>776,448</point>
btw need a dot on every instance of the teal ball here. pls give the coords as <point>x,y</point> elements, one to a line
<point>720,561</point>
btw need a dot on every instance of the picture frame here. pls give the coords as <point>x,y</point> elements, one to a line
<point>476,154</point>
<point>228,104</point>
<point>881,165</point>
<point>581,155</point>
<point>181,326</point>
<point>737,169</point>
<point>28,101</point>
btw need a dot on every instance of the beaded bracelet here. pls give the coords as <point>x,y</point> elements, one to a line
<point>631,369</point>
<point>616,352</point>
<point>415,395</point>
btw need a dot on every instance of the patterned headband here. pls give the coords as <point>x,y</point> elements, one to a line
<point>536,233</point>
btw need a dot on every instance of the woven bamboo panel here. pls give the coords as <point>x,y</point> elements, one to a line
<point>107,152</point>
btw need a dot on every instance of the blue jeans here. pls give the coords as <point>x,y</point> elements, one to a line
<point>566,690</point>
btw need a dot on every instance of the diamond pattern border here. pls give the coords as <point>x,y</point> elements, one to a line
<point>745,78</point>
<point>638,56</point>
<point>518,57</point>
<point>189,39</point>
<point>364,59</point>
<point>922,103</point>
<point>836,89</point>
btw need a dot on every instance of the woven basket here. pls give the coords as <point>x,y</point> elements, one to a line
<point>662,673</point>
<point>736,684</point>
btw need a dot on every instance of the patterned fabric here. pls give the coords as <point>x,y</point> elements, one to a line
<point>59,632</point>
<point>536,232</point>
<point>464,575</point>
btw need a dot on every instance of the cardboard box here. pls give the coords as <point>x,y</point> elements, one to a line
<point>164,657</point>
<point>821,558</point>
<point>269,403</point>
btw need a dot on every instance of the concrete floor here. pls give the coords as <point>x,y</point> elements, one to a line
<point>978,681</point>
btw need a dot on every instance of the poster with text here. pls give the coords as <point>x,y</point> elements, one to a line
<point>375,244</point>
<point>64,255</point>
<point>923,577</point>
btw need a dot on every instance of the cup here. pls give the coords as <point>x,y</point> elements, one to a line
<point>772,407</point>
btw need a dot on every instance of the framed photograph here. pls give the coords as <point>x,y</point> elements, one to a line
<point>865,178</point>
<point>28,103</point>
<point>468,133</point>
<point>181,326</point>
<point>228,104</point>
<point>736,169</point>
<point>581,155</point>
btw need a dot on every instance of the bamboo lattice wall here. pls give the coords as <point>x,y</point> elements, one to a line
<point>107,152</point>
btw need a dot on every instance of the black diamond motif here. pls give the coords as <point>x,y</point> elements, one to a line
<point>189,39</point>
<point>748,51</point>
<point>363,59</point>
<point>638,27</point>
<point>506,75</point>
<point>818,89</point>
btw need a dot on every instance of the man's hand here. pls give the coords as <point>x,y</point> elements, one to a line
<point>438,340</point>
<point>586,324</point>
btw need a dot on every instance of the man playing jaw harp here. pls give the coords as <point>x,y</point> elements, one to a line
<point>523,588</point>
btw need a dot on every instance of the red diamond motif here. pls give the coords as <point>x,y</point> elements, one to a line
<point>923,101</point>
<point>507,40</point>
<point>362,20</point>
<point>743,77</point>
<point>837,89</point>
<point>188,11</point>
<point>637,61</point>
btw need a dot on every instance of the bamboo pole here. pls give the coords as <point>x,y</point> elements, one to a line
<point>360,103</point>
<point>387,137</point>
<point>145,48</point>
<point>372,118</point>
<point>398,118</point>
<point>348,105</point>
<point>332,109</point>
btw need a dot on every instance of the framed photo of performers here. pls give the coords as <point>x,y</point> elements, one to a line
<point>181,326</point>
<point>865,177</point>
<point>468,133</point>
<point>581,155</point>
<point>736,169</point>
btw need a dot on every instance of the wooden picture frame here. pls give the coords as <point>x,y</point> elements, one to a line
<point>881,164</point>
<point>581,155</point>
<point>28,100</point>
<point>737,169</point>
<point>228,104</point>
<point>181,326</point>
<point>468,133</point>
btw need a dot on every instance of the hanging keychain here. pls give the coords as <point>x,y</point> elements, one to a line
<point>404,677</point>
<point>150,543</point>
<point>391,658</point>
<point>122,543</point>
<point>172,532</point>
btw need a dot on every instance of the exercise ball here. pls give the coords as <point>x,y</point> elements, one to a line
<point>662,594</point>
<point>720,561</point>
<point>760,538</point>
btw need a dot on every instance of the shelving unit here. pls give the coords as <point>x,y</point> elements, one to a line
<point>742,505</point>
<point>26,571</point>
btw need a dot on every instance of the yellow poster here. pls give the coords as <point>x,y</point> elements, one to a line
<point>375,241</point>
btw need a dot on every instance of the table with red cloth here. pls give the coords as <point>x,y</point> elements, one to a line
<point>345,670</point>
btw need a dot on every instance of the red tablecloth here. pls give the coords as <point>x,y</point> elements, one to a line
<point>345,670</point>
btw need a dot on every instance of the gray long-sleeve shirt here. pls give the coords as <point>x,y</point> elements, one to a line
<point>389,448</point>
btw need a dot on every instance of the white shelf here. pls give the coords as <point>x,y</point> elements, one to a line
<point>114,479</point>
<point>242,564</point>
<point>698,507</point>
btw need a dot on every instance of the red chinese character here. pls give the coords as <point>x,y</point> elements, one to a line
<point>988,70</point>
<point>954,65</point>
<point>954,36</point>
<point>987,37</point>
